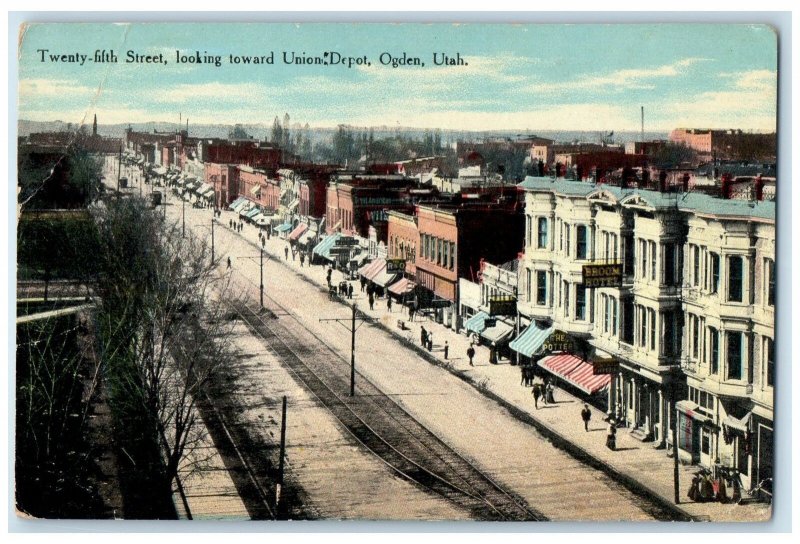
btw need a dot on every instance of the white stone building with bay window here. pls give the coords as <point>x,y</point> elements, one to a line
<point>691,323</point>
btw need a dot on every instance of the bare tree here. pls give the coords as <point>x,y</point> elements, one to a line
<point>163,334</point>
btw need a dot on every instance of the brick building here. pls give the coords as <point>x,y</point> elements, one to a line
<point>453,238</point>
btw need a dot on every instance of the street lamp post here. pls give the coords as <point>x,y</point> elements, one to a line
<point>183,217</point>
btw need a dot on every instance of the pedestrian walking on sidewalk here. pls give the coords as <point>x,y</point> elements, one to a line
<point>371,301</point>
<point>363,283</point>
<point>611,434</point>
<point>389,303</point>
<point>430,341</point>
<point>423,337</point>
<point>586,416</point>
<point>302,259</point>
<point>537,392</point>
<point>446,349</point>
<point>470,354</point>
<point>548,393</point>
<point>286,258</point>
<point>229,262</point>
<point>350,290</point>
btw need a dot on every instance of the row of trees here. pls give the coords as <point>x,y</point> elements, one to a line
<point>152,343</point>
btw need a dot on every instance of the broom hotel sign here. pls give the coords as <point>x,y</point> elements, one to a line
<point>602,275</point>
<point>326,58</point>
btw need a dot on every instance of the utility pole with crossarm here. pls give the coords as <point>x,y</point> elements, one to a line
<point>353,329</point>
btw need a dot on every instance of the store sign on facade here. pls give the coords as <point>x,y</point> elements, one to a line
<point>605,366</point>
<point>503,305</point>
<point>602,275</point>
<point>559,341</point>
<point>395,266</point>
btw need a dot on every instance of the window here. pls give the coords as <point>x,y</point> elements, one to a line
<point>606,319</point>
<point>446,257</point>
<point>627,320</point>
<point>642,326</point>
<point>614,248</point>
<point>769,280</point>
<point>568,238</point>
<point>669,264</point>
<point>734,341</point>
<point>642,259</point>
<point>452,256</point>
<point>613,316</point>
<point>580,244</point>
<point>695,328</point>
<point>668,342</point>
<point>528,231</point>
<point>735,279</point>
<point>629,256</point>
<point>653,261</point>
<point>769,351</point>
<point>541,287</point>
<point>651,317</point>
<point>566,298</point>
<point>713,338</point>
<point>714,286</point>
<point>695,266</point>
<point>560,235</point>
<point>542,230</point>
<point>580,302</point>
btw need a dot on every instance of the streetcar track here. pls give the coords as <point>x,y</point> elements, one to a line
<point>502,504</point>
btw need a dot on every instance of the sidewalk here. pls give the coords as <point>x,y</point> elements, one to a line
<point>639,465</point>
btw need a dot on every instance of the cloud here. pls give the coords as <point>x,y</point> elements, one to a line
<point>618,80</point>
<point>30,89</point>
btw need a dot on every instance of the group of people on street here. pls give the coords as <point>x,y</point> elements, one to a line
<point>543,390</point>
<point>237,226</point>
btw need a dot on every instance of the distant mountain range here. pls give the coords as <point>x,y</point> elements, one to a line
<point>262,131</point>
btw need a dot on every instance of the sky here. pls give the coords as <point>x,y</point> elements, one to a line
<point>516,77</point>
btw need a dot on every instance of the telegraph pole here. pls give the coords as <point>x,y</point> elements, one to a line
<point>352,329</point>
<point>282,455</point>
<point>183,218</point>
<point>353,352</point>
<point>212,240</point>
<point>676,466</point>
<point>261,288</point>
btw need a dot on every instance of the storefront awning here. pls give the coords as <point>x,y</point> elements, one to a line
<point>294,204</point>
<point>252,213</point>
<point>237,204</point>
<point>402,287</point>
<point>384,278</point>
<point>531,340</point>
<point>372,269</point>
<point>307,237</point>
<point>741,425</point>
<point>298,230</point>
<point>575,371</point>
<point>498,333</point>
<point>476,322</point>
<point>690,408</point>
<point>285,227</point>
<point>323,248</point>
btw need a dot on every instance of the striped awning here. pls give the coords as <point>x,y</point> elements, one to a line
<point>476,323</point>
<point>498,333</point>
<point>575,371</point>
<point>298,230</point>
<point>402,287</point>
<point>252,213</point>
<point>371,270</point>
<point>323,249</point>
<point>531,339</point>
<point>238,203</point>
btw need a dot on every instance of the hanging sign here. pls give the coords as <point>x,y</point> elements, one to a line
<point>602,275</point>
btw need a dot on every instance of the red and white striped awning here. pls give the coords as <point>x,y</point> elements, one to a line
<point>371,270</point>
<point>298,230</point>
<point>402,287</point>
<point>575,371</point>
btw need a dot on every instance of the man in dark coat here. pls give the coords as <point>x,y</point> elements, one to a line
<point>586,415</point>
